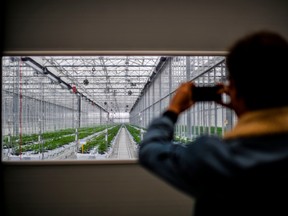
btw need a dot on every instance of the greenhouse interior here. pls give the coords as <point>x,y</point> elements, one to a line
<point>99,107</point>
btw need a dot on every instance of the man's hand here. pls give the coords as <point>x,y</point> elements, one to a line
<point>225,90</point>
<point>182,100</point>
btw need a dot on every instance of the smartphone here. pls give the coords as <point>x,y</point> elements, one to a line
<point>206,93</point>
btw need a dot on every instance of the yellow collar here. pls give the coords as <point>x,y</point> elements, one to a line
<point>269,121</point>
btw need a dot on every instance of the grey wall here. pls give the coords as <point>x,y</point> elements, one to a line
<point>88,188</point>
<point>99,26</point>
<point>74,27</point>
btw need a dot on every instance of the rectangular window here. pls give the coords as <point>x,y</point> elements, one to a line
<point>96,107</point>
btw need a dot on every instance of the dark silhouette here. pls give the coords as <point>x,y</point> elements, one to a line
<point>246,171</point>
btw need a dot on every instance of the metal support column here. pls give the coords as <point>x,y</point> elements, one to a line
<point>79,111</point>
<point>160,90</point>
<point>153,99</point>
<point>170,78</point>
<point>188,77</point>
<point>42,121</point>
<point>215,113</point>
<point>78,123</point>
<point>16,98</point>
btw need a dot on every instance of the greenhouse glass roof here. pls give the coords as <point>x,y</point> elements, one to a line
<point>112,82</point>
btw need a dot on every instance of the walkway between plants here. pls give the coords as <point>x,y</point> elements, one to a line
<point>123,148</point>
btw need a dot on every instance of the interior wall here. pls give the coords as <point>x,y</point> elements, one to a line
<point>45,27</point>
<point>84,188</point>
<point>128,26</point>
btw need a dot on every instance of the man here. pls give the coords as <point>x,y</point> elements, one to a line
<point>246,171</point>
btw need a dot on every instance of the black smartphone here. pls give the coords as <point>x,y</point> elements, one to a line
<point>206,93</point>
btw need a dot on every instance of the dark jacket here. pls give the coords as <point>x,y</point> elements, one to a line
<point>245,173</point>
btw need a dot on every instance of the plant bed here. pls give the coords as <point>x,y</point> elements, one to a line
<point>99,142</point>
<point>135,133</point>
<point>53,140</point>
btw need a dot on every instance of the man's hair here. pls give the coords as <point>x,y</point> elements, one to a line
<point>258,65</point>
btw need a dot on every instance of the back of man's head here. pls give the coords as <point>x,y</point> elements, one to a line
<point>257,64</point>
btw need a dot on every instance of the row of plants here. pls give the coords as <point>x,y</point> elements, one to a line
<point>84,132</point>
<point>196,131</point>
<point>56,141</point>
<point>52,140</point>
<point>32,138</point>
<point>100,141</point>
<point>47,145</point>
<point>135,133</point>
